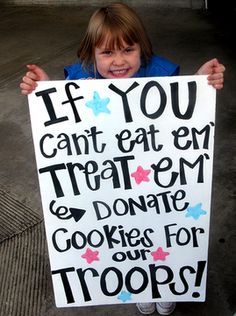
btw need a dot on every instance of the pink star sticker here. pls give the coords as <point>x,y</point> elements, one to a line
<point>90,255</point>
<point>141,175</point>
<point>159,254</point>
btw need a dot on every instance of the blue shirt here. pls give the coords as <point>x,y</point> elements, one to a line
<point>156,67</point>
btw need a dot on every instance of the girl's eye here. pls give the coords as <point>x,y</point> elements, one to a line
<point>107,52</point>
<point>129,50</point>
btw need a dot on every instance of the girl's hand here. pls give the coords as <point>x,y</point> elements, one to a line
<point>34,74</point>
<point>215,72</point>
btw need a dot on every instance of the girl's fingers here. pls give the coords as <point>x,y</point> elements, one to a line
<point>25,92</point>
<point>29,81</point>
<point>215,76</point>
<point>216,80</point>
<point>27,86</point>
<point>32,75</point>
<point>218,86</point>
<point>220,69</point>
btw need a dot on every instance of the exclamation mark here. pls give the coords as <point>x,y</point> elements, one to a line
<point>199,274</point>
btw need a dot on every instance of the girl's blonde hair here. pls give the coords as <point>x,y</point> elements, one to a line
<point>116,23</point>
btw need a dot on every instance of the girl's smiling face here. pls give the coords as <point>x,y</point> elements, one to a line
<point>119,62</point>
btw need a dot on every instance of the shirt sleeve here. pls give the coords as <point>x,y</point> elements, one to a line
<point>160,67</point>
<point>75,71</point>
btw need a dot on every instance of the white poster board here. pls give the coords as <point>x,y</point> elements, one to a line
<point>125,171</point>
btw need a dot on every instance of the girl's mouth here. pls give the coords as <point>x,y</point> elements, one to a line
<point>119,73</point>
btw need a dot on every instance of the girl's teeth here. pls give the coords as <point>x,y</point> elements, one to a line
<point>119,71</point>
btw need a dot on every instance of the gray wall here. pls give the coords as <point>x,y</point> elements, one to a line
<point>167,3</point>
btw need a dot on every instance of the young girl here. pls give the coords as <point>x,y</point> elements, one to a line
<point>116,45</point>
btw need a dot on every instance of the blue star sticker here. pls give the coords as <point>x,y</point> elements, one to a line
<point>195,211</point>
<point>124,296</point>
<point>98,105</point>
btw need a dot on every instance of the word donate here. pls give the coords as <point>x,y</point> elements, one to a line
<point>125,172</point>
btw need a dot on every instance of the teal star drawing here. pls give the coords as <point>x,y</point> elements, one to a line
<point>98,105</point>
<point>124,296</point>
<point>195,211</point>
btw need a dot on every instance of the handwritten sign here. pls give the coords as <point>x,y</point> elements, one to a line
<point>125,171</point>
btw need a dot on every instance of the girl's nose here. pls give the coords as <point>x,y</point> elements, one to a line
<point>118,60</point>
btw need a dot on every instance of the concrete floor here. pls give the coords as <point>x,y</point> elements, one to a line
<point>50,36</point>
